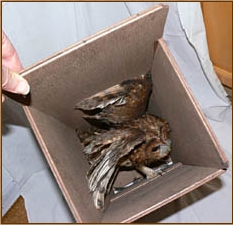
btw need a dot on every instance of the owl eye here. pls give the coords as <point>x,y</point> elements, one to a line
<point>156,148</point>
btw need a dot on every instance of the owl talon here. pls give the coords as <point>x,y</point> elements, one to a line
<point>151,173</point>
<point>160,171</point>
<point>148,172</point>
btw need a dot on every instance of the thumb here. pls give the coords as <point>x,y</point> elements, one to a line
<point>13,82</point>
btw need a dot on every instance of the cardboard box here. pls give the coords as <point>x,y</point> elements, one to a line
<point>127,49</point>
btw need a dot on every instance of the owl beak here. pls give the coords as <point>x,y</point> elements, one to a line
<point>165,149</point>
<point>168,142</point>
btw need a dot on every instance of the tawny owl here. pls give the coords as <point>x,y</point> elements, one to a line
<point>138,144</point>
<point>127,135</point>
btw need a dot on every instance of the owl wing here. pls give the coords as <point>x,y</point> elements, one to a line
<point>104,167</point>
<point>102,99</point>
<point>132,95</point>
<point>87,137</point>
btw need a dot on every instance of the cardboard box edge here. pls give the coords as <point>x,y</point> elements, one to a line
<point>52,165</point>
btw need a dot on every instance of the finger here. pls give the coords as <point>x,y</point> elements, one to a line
<point>10,57</point>
<point>13,82</point>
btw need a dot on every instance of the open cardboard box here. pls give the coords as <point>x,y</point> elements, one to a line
<point>127,49</point>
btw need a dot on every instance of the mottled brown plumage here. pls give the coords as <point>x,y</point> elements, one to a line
<point>120,103</point>
<point>127,137</point>
<point>139,143</point>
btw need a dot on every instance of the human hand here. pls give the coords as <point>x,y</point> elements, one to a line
<point>12,81</point>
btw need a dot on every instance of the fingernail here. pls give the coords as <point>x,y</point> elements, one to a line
<point>23,87</point>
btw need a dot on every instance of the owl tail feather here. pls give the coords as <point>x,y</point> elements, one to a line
<point>102,172</point>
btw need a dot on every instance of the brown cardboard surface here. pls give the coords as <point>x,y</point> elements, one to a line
<point>195,143</point>
<point>64,155</point>
<point>99,62</point>
<point>151,195</point>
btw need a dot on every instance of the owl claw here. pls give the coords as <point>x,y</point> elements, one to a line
<point>151,173</point>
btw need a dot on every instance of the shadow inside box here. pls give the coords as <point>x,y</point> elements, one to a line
<point>23,99</point>
<point>129,180</point>
<point>12,114</point>
<point>182,202</point>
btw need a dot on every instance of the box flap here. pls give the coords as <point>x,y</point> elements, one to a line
<point>121,51</point>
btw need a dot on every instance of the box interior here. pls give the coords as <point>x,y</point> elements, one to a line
<point>195,143</point>
<point>93,65</point>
